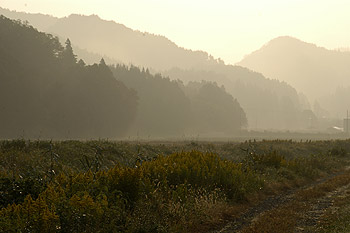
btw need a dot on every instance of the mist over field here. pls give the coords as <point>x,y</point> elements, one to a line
<point>84,77</point>
<point>174,116</point>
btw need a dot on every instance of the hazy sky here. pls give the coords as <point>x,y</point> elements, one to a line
<point>228,29</point>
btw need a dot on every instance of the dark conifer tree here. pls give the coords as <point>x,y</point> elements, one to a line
<point>81,63</point>
<point>102,62</point>
<point>68,57</point>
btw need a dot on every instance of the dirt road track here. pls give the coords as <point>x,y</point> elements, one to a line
<point>305,206</point>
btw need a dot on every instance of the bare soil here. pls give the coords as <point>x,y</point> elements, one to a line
<point>297,210</point>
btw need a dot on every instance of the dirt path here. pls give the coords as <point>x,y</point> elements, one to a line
<point>247,217</point>
<point>310,219</point>
<point>298,210</point>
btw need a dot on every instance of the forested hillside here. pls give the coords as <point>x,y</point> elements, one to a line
<point>169,108</point>
<point>275,106</point>
<point>46,93</point>
<point>214,110</point>
<point>52,95</point>
<point>264,100</point>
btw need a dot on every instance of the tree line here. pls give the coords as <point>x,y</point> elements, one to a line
<point>47,92</point>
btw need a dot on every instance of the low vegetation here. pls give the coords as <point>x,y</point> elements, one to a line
<point>337,218</point>
<point>101,186</point>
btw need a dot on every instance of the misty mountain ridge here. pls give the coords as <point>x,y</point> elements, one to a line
<point>53,95</point>
<point>132,47</point>
<point>128,45</point>
<point>40,21</point>
<point>263,100</point>
<point>315,71</point>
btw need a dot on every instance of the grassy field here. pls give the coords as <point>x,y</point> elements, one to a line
<point>187,186</point>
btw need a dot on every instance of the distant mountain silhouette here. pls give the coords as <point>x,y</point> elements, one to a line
<point>122,43</point>
<point>42,22</point>
<point>39,21</point>
<point>315,71</point>
<point>264,100</point>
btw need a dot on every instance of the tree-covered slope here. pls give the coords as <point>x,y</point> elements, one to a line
<point>45,92</point>
<point>269,104</point>
<point>264,100</point>
<point>169,108</point>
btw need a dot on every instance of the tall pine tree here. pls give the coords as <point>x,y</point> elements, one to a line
<point>68,57</point>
